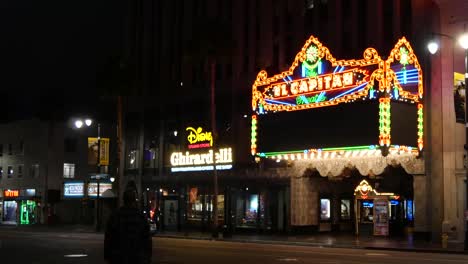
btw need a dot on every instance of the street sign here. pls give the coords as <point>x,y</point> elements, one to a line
<point>99,176</point>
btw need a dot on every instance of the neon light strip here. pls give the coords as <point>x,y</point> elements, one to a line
<point>303,70</point>
<point>289,77</point>
<point>349,91</point>
<point>267,154</point>
<point>336,69</point>
<point>278,102</point>
<point>342,68</point>
<point>201,168</point>
<point>408,71</point>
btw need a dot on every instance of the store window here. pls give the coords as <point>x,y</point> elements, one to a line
<point>325,209</point>
<point>345,209</point>
<point>197,204</point>
<point>248,207</point>
<point>68,170</point>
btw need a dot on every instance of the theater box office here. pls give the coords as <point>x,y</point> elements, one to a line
<point>329,124</point>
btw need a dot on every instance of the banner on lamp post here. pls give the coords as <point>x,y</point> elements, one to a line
<point>93,151</point>
<point>459,96</point>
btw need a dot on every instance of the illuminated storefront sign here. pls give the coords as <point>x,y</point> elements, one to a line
<point>10,193</point>
<point>316,79</point>
<point>103,186</point>
<point>223,156</point>
<point>73,189</point>
<point>199,139</point>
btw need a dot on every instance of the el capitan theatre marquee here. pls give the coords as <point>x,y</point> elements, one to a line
<point>322,107</point>
<point>200,155</point>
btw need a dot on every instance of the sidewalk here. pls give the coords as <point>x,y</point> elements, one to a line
<point>316,240</point>
<point>329,240</point>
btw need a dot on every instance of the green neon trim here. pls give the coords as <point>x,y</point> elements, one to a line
<point>269,154</point>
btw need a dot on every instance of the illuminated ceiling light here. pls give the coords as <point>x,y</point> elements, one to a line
<point>78,123</point>
<point>175,133</point>
<point>88,122</point>
<point>292,157</point>
<point>278,160</point>
<point>160,190</point>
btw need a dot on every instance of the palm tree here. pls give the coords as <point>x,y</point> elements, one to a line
<point>212,43</point>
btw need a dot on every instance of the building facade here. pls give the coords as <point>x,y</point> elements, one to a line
<point>46,173</point>
<point>267,35</point>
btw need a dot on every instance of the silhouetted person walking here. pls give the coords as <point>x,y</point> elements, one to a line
<point>128,238</point>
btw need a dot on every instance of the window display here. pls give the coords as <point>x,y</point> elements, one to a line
<point>248,208</point>
<point>345,211</point>
<point>367,211</point>
<point>325,211</point>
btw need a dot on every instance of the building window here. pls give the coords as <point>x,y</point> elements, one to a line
<point>1,172</point>
<point>35,171</point>
<point>69,170</point>
<point>21,147</point>
<point>10,149</point>
<point>10,171</point>
<point>20,171</point>
<point>70,145</point>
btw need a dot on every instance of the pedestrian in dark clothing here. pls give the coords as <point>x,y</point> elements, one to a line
<point>127,238</point>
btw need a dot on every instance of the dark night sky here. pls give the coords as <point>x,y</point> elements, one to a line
<point>50,52</point>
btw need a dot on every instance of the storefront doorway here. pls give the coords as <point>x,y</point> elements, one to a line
<point>27,212</point>
<point>10,209</point>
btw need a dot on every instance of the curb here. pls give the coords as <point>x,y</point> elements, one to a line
<point>317,245</point>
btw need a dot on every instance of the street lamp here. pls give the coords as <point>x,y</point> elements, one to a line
<point>89,122</point>
<point>432,46</point>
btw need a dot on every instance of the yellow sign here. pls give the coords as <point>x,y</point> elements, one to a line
<point>93,150</point>
<point>197,136</point>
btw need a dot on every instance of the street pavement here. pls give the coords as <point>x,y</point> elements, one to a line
<point>19,246</point>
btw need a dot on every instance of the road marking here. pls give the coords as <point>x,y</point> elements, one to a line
<point>75,255</point>
<point>376,254</point>
<point>288,259</point>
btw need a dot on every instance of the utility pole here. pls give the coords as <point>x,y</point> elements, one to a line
<point>120,166</point>
<point>215,140</point>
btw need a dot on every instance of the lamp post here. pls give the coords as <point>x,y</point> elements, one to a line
<point>433,47</point>
<point>78,124</point>
<point>463,40</point>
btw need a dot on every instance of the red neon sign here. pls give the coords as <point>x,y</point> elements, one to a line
<point>11,193</point>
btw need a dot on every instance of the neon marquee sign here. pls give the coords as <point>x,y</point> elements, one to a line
<point>317,79</point>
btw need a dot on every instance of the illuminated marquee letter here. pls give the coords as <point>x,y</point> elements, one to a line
<point>327,80</point>
<point>337,81</point>
<point>303,88</point>
<point>294,87</point>
<point>312,84</point>
<point>277,91</point>
<point>284,91</point>
<point>348,78</point>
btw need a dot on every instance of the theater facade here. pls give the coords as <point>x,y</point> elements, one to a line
<point>347,135</point>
